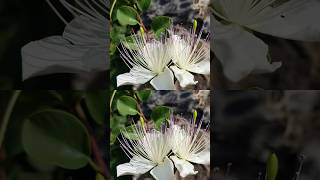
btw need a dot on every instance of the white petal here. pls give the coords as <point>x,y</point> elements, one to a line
<point>184,77</point>
<point>163,171</point>
<point>136,76</point>
<point>51,55</point>
<point>240,52</point>
<point>295,19</point>
<point>136,166</point>
<point>201,158</point>
<point>184,167</point>
<point>87,32</point>
<point>203,67</point>
<point>163,81</point>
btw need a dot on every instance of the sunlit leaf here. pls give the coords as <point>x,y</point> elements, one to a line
<point>126,15</point>
<point>127,105</point>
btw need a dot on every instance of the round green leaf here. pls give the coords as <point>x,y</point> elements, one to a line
<point>160,24</point>
<point>272,167</point>
<point>56,137</point>
<point>159,115</point>
<point>143,4</point>
<point>127,105</point>
<point>96,102</point>
<point>126,15</point>
<point>143,95</point>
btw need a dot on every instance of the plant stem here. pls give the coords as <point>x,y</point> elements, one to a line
<point>111,10</point>
<point>111,99</point>
<point>139,107</point>
<point>100,166</point>
<point>95,167</point>
<point>7,115</point>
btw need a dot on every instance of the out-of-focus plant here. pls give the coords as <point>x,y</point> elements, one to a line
<point>53,135</point>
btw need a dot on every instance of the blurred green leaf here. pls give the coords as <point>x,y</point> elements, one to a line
<point>127,15</point>
<point>27,103</point>
<point>160,24</point>
<point>127,105</point>
<point>56,137</point>
<point>96,102</point>
<point>143,95</point>
<point>272,167</point>
<point>143,4</point>
<point>159,115</point>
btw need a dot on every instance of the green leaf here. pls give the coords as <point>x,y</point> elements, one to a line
<point>127,105</point>
<point>159,115</point>
<point>272,167</point>
<point>160,24</point>
<point>56,137</point>
<point>117,33</point>
<point>126,15</point>
<point>130,133</point>
<point>96,102</point>
<point>116,124</point>
<point>143,95</point>
<point>130,42</point>
<point>143,4</point>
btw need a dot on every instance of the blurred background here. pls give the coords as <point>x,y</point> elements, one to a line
<point>249,125</point>
<point>300,67</point>
<point>23,22</point>
<point>54,135</point>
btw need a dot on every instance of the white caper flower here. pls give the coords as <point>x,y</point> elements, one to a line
<point>147,61</point>
<point>148,151</point>
<point>189,53</point>
<point>189,144</point>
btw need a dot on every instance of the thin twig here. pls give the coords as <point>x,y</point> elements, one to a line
<point>101,166</point>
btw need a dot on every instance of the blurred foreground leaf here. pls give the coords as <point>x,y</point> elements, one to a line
<point>96,102</point>
<point>56,137</point>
